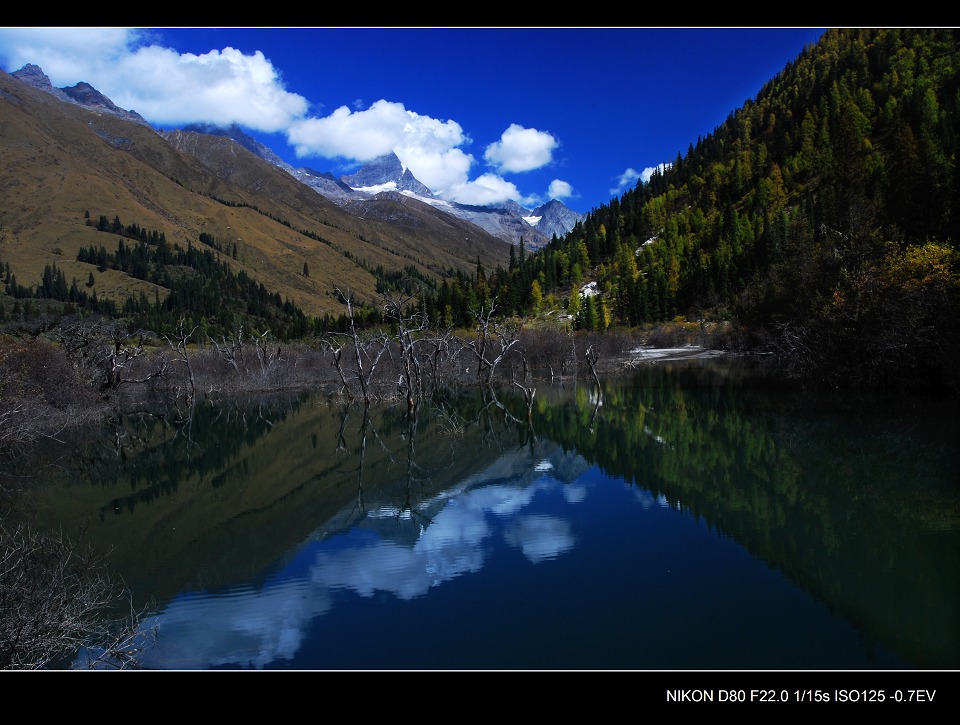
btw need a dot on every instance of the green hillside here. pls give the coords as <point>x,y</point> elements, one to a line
<point>821,220</point>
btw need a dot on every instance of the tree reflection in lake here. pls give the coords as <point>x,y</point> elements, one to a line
<point>689,519</point>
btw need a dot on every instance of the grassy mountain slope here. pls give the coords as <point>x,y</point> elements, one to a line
<point>59,161</point>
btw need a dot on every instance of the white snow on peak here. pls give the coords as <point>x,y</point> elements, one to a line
<point>389,186</point>
<point>426,200</point>
<point>532,220</point>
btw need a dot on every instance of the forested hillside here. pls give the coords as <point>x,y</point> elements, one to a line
<point>822,217</point>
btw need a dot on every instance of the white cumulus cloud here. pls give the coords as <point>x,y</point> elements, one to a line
<point>359,136</point>
<point>441,171</point>
<point>485,189</point>
<point>628,179</point>
<point>67,55</point>
<point>222,86</point>
<point>521,149</point>
<point>648,172</point>
<point>559,190</point>
<point>225,87</point>
<point>427,146</point>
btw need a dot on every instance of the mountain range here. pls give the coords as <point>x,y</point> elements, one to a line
<point>69,156</point>
<point>508,220</point>
<point>81,94</point>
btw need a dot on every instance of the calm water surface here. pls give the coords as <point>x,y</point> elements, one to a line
<point>690,518</point>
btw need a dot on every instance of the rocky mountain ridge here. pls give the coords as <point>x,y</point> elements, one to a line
<point>81,94</point>
<point>507,221</point>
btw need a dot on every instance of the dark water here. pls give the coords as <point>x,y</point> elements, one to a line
<point>694,518</point>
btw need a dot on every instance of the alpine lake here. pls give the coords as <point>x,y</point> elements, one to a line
<point>691,515</point>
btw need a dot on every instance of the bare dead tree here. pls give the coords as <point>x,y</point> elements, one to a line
<point>366,355</point>
<point>440,351</point>
<point>409,326</point>
<point>231,350</point>
<point>122,356</point>
<point>337,351</point>
<point>505,338</point>
<point>483,329</point>
<point>268,354</point>
<point>180,345</point>
<point>104,353</point>
<point>573,355</point>
<point>265,354</point>
<point>529,392</point>
<point>76,340</point>
<point>374,350</point>
<point>494,339</point>
<point>358,348</point>
<point>592,356</point>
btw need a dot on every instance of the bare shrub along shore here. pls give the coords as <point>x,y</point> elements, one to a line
<point>87,368</point>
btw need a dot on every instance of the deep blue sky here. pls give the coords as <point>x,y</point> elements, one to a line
<point>478,114</point>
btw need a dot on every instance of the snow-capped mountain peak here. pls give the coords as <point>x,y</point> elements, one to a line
<point>507,220</point>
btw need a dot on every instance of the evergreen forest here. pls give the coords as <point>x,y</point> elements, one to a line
<point>822,219</point>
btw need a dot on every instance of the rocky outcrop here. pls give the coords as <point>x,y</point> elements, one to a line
<point>81,94</point>
<point>555,217</point>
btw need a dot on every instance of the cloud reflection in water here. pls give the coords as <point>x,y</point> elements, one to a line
<point>252,628</point>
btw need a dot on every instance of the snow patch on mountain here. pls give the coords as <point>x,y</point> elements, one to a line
<point>377,188</point>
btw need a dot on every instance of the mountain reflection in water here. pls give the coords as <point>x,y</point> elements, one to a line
<point>690,518</point>
<point>387,552</point>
